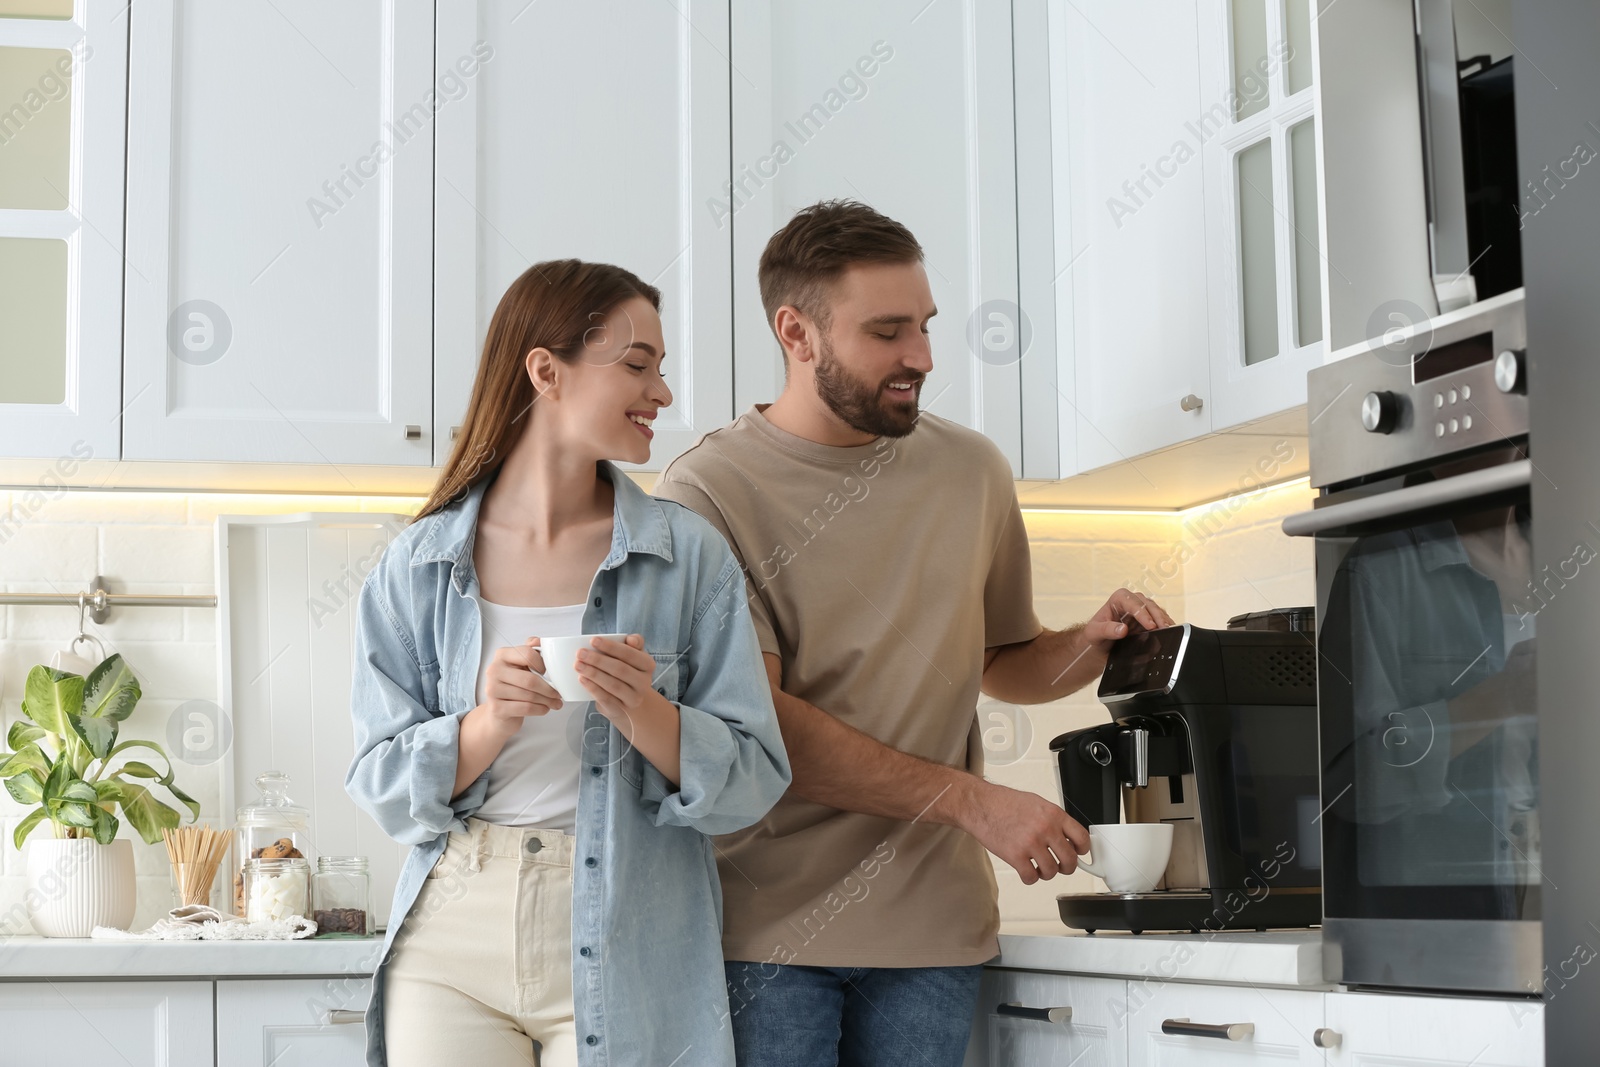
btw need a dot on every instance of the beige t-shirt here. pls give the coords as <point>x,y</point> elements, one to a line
<point>879,573</point>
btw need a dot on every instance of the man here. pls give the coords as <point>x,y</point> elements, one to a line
<point>888,576</point>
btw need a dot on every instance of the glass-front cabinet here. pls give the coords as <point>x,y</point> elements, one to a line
<point>1259,128</point>
<point>63,76</point>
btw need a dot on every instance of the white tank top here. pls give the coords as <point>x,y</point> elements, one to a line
<point>534,779</point>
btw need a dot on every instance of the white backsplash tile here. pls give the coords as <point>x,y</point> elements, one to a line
<point>1223,560</point>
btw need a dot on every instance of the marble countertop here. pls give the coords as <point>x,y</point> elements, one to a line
<point>1290,958</point>
<point>31,956</point>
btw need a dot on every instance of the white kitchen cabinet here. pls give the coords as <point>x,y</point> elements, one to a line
<point>1387,1030</point>
<point>1263,235</point>
<point>1130,265</point>
<point>1275,1026</point>
<point>1091,1036</point>
<point>907,106</point>
<point>313,1022</point>
<point>279,202</point>
<point>138,1024</point>
<point>599,131</point>
<point>63,91</point>
<point>1185,286</point>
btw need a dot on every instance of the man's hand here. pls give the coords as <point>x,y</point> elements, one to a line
<point>1035,836</point>
<point>1059,662</point>
<point>1110,624</point>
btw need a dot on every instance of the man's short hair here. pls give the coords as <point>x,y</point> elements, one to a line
<point>818,245</point>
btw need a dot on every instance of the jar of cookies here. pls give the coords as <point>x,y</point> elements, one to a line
<point>273,828</point>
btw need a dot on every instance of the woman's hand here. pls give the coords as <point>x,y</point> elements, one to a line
<point>513,687</point>
<point>620,674</point>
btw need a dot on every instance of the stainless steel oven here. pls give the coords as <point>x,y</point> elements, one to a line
<point>1428,605</point>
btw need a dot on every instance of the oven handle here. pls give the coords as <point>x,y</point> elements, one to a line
<point>1445,491</point>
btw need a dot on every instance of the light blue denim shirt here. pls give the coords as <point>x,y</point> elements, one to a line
<point>647,973</point>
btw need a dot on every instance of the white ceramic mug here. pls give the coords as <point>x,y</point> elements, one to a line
<point>561,663</point>
<point>1129,857</point>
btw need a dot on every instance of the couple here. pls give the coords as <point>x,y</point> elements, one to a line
<point>813,598</point>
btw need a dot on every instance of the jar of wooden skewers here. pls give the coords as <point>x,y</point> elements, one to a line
<point>195,852</point>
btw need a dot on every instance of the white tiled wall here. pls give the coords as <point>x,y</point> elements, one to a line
<point>146,543</point>
<point>1221,561</point>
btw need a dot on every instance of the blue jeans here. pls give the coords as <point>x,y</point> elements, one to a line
<point>791,1016</point>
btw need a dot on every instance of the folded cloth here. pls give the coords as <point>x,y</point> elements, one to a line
<point>201,922</point>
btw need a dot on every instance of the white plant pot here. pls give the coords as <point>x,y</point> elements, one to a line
<point>76,884</point>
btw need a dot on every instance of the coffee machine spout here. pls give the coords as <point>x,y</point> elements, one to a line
<point>1138,757</point>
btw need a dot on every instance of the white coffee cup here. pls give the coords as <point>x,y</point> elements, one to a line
<point>1129,857</point>
<point>561,663</point>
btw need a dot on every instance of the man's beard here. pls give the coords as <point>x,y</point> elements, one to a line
<point>862,406</point>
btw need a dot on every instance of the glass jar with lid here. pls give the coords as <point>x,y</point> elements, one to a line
<point>276,889</point>
<point>273,828</point>
<point>341,897</point>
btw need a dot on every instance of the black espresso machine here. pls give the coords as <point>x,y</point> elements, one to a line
<point>1215,732</point>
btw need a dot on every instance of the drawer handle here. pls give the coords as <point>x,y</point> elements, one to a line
<point>1326,1038</point>
<point>1224,1031</point>
<point>1191,403</point>
<point>346,1015</point>
<point>1043,1015</point>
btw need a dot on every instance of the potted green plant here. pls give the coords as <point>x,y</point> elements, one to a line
<point>83,877</point>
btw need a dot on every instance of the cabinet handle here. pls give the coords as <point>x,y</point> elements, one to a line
<point>1191,403</point>
<point>413,432</point>
<point>455,431</point>
<point>1224,1031</point>
<point>1044,1015</point>
<point>345,1015</point>
<point>1326,1038</point>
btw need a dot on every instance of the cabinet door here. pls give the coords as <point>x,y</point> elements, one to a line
<point>598,131</point>
<point>280,172</point>
<point>1282,1025</point>
<point>1395,1031</point>
<point>1263,229</point>
<point>279,1022</point>
<point>1092,1037</point>
<point>137,1024</point>
<point>1132,288</point>
<point>62,97</point>
<point>907,106</point>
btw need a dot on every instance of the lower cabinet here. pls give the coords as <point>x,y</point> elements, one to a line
<point>1034,1019</point>
<point>1029,1019</point>
<point>138,1024</point>
<point>1399,1031</point>
<point>1201,1025</point>
<point>303,1022</point>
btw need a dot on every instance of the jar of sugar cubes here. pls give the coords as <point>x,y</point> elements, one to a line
<point>278,889</point>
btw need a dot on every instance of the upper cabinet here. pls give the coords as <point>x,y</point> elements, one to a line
<point>62,99</point>
<point>1143,220</point>
<point>1257,131</point>
<point>1129,288</point>
<point>1185,279</point>
<point>597,131</point>
<point>279,264</point>
<point>907,106</point>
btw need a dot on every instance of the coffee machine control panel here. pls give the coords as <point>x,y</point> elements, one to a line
<point>1145,662</point>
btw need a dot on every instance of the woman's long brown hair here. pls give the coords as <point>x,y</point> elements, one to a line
<point>552,305</point>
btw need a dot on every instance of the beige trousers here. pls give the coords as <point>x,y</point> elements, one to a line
<point>482,967</point>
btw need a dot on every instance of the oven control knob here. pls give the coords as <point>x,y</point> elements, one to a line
<point>1511,372</point>
<point>1380,411</point>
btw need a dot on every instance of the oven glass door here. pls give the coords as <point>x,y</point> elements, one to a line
<point>1427,629</point>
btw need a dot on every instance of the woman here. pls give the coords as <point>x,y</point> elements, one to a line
<point>561,889</point>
